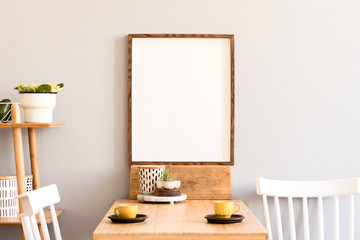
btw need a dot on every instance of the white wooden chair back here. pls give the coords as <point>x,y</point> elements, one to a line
<point>33,203</point>
<point>308,189</point>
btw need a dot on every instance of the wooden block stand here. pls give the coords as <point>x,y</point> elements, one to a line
<point>17,126</point>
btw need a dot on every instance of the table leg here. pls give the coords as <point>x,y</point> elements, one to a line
<point>34,158</point>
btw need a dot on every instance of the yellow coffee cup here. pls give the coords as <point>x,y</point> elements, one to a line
<point>126,210</point>
<point>224,209</point>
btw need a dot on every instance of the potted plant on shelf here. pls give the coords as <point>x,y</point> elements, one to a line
<point>5,110</point>
<point>168,181</point>
<point>38,101</point>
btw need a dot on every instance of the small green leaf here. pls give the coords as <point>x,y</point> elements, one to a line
<point>20,88</point>
<point>44,88</point>
<point>168,175</point>
<point>32,88</point>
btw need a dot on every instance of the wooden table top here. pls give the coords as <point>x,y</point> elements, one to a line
<point>182,220</point>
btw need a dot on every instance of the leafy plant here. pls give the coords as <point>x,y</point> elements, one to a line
<point>168,175</point>
<point>37,88</point>
<point>5,113</point>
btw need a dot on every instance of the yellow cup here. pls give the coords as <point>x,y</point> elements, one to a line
<point>126,210</point>
<point>224,209</point>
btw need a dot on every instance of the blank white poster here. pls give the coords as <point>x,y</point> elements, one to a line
<point>181,99</point>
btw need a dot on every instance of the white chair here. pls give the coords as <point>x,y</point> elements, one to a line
<point>308,189</point>
<point>33,203</point>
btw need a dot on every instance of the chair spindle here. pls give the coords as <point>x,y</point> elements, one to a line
<point>278,218</point>
<point>34,227</point>
<point>351,217</point>
<point>321,218</point>
<point>267,216</point>
<point>291,218</point>
<point>55,223</point>
<point>336,218</point>
<point>44,227</point>
<point>306,219</point>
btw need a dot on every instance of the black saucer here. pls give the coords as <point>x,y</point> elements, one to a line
<point>235,218</point>
<point>139,218</point>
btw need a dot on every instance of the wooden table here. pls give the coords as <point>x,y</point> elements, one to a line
<point>182,220</point>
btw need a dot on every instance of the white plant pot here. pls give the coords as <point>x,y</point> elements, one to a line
<point>148,175</point>
<point>168,185</point>
<point>38,107</point>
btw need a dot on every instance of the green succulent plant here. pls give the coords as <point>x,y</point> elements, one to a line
<point>168,175</point>
<point>37,88</point>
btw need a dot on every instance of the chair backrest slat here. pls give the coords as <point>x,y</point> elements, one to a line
<point>321,218</point>
<point>25,222</point>
<point>55,223</point>
<point>336,218</point>
<point>351,217</point>
<point>34,227</point>
<point>33,203</point>
<point>267,216</point>
<point>278,218</point>
<point>291,218</point>
<point>306,219</point>
<point>306,190</point>
<point>44,227</point>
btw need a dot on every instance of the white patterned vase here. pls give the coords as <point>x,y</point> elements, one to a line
<point>148,175</point>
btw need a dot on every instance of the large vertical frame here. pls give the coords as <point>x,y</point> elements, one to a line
<point>137,44</point>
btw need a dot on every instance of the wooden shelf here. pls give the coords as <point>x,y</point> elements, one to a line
<point>17,220</point>
<point>16,125</point>
<point>31,125</point>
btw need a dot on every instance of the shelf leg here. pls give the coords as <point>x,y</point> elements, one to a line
<point>18,149</point>
<point>34,158</point>
<point>22,233</point>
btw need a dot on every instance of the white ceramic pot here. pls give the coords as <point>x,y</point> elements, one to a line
<point>168,185</point>
<point>148,175</point>
<point>38,107</point>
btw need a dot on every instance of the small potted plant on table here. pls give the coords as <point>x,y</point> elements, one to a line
<point>38,101</point>
<point>168,186</point>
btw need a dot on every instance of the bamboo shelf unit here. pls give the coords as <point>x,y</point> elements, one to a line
<point>17,126</point>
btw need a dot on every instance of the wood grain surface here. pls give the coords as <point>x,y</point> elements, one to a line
<point>17,221</point>
<point>183,220</point>
<point>18,151</point>
<point>30,125</point>
<point>129,99</point>
<point>167,192</point>
<point>197,182</point>
<point>8,177</point>
<point>34,161</point>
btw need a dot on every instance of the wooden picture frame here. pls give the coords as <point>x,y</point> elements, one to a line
<point>181,98</point>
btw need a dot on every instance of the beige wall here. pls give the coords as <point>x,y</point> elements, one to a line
<point>297,90</point>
